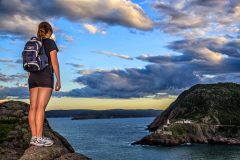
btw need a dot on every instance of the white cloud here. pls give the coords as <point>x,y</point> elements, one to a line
<point>18,19</point>
<point>115,54</point>
<point>66,37</point>
<point>5,60</point>
<point>61,48</point>
<point>93,29</point>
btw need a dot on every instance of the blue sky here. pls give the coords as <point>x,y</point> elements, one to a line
<point>115,51</point>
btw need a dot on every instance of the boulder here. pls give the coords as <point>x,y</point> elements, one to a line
<point>16,134</point>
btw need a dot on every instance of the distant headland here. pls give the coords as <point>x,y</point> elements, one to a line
<point>205,113</point>
<point>117,113</point>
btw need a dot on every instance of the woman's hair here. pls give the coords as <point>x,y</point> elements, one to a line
<point>43,28</point>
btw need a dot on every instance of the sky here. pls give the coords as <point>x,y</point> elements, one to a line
<point>123,54</point>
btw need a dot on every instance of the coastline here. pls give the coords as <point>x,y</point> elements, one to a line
<point>196,133</point>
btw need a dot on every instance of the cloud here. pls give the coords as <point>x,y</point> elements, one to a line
<point>20,61</point>
<point>18,92</point>
<point>61,48</point>
<point>18,20</point>
<point>164,96</point>
<point>77,30</point>
<point>76,58</point>
<point>15,43</point>
<point>196,17</point>
<point>17,77</point>
<point>75,65</point>
<point>209,49</point>
<point>66,37</point>
<point>4,50</point>
<point>109,54</point>
<point>5,60</point>
<point>134,82</point>
<point>93,29</point>
<point>21,91</point>
<point>208,55</point>
<point>155,80</point>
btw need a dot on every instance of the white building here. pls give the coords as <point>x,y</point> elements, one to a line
<point>184,121</point>
<point>179,121</point>
<point>187,121</point>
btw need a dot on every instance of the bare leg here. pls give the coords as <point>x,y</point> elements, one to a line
<point>44,95</point>
<point>33,109</point>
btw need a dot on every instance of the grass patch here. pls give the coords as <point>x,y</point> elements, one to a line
<point>179,129</point>
<point>7,126</point>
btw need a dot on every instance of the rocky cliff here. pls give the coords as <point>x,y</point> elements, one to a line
<point>213,109</point>
<point>217,104</point>
<point>15,136</point>
<point>194,133</point>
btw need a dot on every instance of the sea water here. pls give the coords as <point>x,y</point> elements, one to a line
<point>110,139</point>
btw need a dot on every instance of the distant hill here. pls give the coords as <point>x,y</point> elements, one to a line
<point>213,104</point>
<point>117,113</point>
<point>64,113</point>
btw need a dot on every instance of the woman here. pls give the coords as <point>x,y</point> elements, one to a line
<point>41,86</point>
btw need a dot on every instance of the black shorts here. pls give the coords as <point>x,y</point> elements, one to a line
<point>40,79</point>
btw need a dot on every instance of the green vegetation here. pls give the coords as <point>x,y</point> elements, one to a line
<point>7,126</point>
<point>219,100</point>
<point>178,129</point>
<point>228,131</point>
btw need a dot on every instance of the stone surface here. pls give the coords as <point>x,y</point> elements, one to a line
<point>44,153</point>
<point>17,113</point>
<point>195,135</point>
<point>73,156</point>
<point>16,135</point>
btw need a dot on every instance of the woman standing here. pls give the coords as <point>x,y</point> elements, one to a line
<point>41,86</point>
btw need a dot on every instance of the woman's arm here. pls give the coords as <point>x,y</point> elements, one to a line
<point>28,74</point>
<point>55,65</point>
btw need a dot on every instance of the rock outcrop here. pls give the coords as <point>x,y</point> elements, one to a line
<point>15,135</point>
<point>214,106</point>
<point>217,103</point>
<point>195,133</point>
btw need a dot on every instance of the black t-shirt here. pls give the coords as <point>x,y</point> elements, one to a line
<point>49,45</point>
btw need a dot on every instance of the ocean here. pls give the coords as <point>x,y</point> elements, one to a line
<point>110,139</point>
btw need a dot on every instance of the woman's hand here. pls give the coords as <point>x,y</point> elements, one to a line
<point>57,86</point>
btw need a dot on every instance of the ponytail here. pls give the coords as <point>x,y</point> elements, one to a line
<point>43,28</point>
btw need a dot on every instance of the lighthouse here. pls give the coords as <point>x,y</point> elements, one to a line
<point>168,121</point>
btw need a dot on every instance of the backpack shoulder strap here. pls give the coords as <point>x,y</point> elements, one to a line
<point>44,51</point>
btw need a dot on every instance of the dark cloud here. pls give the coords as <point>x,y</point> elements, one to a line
<point>19,61</point>
<point>154,80</point>
<point>202,55</point>
<point>17,77</point>
<point>132,31</point>
<point>196,17</point>
<point>20,92</point>
<point>134,82</point>
<point>229,36</point>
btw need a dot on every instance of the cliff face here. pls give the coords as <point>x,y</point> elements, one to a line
<point>213,104</point>
<point>194,133</point>
<point>15,135</point>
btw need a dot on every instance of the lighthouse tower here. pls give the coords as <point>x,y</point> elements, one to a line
<point>168,121</point>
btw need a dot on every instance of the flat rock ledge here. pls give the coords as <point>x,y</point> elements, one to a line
<point>15,135</point>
